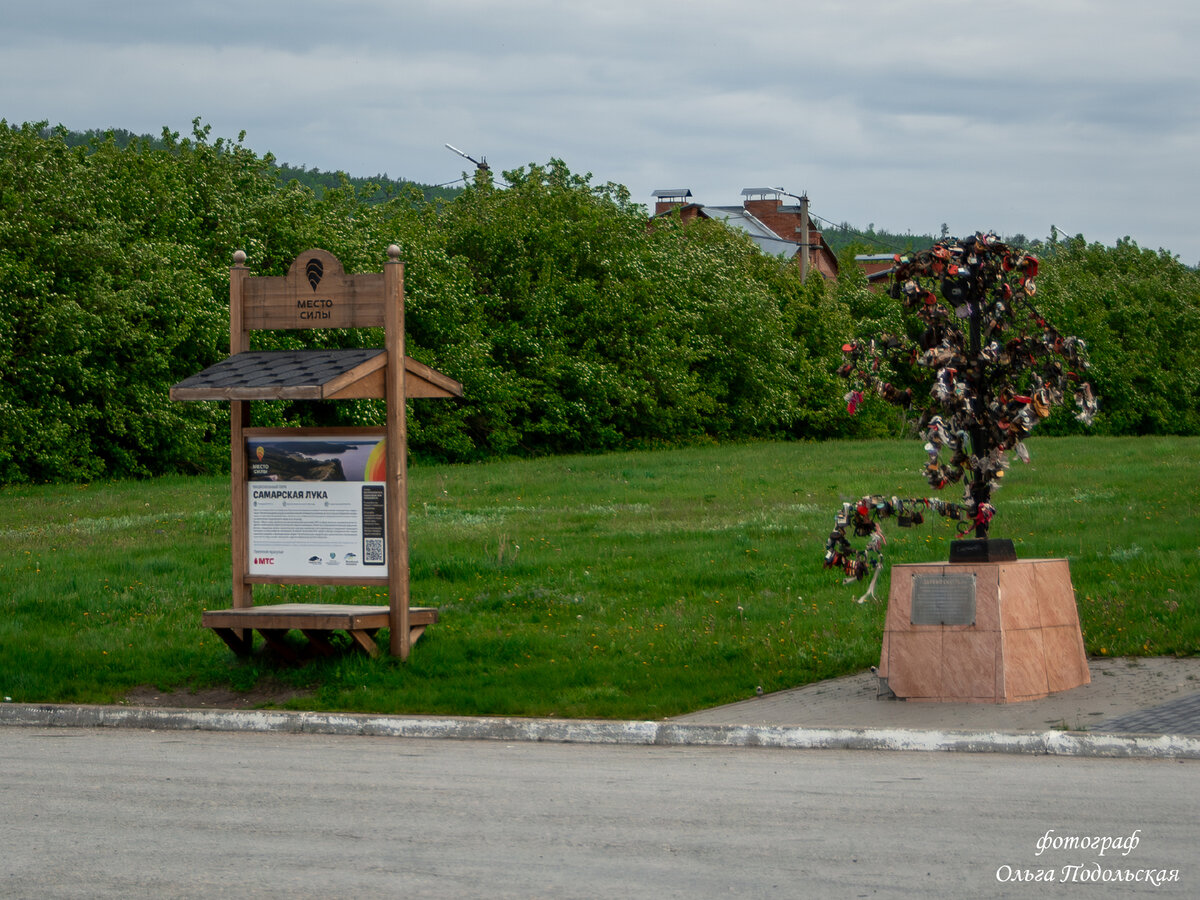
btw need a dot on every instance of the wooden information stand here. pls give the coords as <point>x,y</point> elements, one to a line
<point>317,293</point>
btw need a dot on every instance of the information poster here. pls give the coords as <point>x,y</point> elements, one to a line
<point>317,505</point>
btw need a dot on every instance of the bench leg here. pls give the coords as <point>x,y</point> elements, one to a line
<point>274,639</point>
<point>240,641</point>
<point>364,640</point>
<point>318,641</point>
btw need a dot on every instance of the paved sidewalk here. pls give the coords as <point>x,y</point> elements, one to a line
<point>1148,696</point>
<point>1145,709</point>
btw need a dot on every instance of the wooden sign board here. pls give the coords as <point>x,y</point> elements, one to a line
<point>315,293</point>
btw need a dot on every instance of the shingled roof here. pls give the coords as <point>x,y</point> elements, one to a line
<point>309,375</point>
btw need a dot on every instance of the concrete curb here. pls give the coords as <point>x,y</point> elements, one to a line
<point>582,731</point>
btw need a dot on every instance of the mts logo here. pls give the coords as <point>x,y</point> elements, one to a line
<point>264,560</point>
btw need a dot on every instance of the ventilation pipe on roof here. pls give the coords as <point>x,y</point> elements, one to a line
<point>669,198</point>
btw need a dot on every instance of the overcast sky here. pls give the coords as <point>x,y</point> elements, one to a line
<point>1009,116</point>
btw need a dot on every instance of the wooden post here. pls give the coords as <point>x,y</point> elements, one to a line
<point>397,456</point>
<point>239,418</point>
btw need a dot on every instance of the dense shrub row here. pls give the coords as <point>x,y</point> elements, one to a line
<point>572,324</point>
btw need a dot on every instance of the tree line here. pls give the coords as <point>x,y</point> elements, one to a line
<point>371,189</point>
<point>573,324</point>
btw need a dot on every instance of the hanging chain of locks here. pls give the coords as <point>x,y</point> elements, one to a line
<point>997,368</point>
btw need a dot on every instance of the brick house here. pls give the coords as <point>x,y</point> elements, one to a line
<point>778,228</point>
<point>876,266</point>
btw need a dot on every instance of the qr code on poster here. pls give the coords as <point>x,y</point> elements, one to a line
<point>372,551</point>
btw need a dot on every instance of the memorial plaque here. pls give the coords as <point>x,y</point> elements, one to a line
<point>943,599</point>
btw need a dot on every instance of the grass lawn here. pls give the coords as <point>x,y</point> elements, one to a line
<point>637,585</point>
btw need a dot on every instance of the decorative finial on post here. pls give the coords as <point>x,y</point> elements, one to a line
<point>393,252</point>
<point>239,257</point>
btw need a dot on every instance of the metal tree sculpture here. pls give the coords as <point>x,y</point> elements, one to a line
<point>996,369</point>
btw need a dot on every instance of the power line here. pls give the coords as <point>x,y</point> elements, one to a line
<point>868,238</point>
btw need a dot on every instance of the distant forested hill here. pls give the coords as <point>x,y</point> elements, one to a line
<point>879,240</point>
<point>839,237</point>
<point>870,239</point>
<point>317,180</point>
<point>320,181</point>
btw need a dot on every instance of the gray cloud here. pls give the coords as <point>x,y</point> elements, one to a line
<point>1009,116</point>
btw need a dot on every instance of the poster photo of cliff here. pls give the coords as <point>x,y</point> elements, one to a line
<point>316,458</point>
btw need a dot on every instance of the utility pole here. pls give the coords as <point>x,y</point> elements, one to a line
<point>805,243</point>
<point>804,236</point>
<point>483,172</point>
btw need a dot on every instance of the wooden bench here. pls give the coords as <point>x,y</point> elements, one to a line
<point>236,627</point>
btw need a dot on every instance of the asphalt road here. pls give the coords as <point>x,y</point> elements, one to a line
<point>133,813</point>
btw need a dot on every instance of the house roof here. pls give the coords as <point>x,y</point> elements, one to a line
<point>766,239</point>
<point>877,266</point>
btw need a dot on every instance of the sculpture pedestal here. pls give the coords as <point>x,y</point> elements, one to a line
<point>1010,633</point>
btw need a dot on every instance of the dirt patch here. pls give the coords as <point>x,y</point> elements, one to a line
<point>265,694</point>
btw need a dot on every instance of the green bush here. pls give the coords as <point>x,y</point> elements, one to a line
<point>106,298</point>
<point>1139,312</point>
<point>573,324</point>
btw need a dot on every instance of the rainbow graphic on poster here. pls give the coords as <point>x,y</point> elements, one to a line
<point>376,469</point>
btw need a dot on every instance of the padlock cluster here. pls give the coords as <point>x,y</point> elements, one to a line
<point>865,519</point>
<point>994,366</point>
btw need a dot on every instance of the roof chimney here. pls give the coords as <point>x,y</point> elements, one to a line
<point>669,198</point>
<point>761,203</point>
